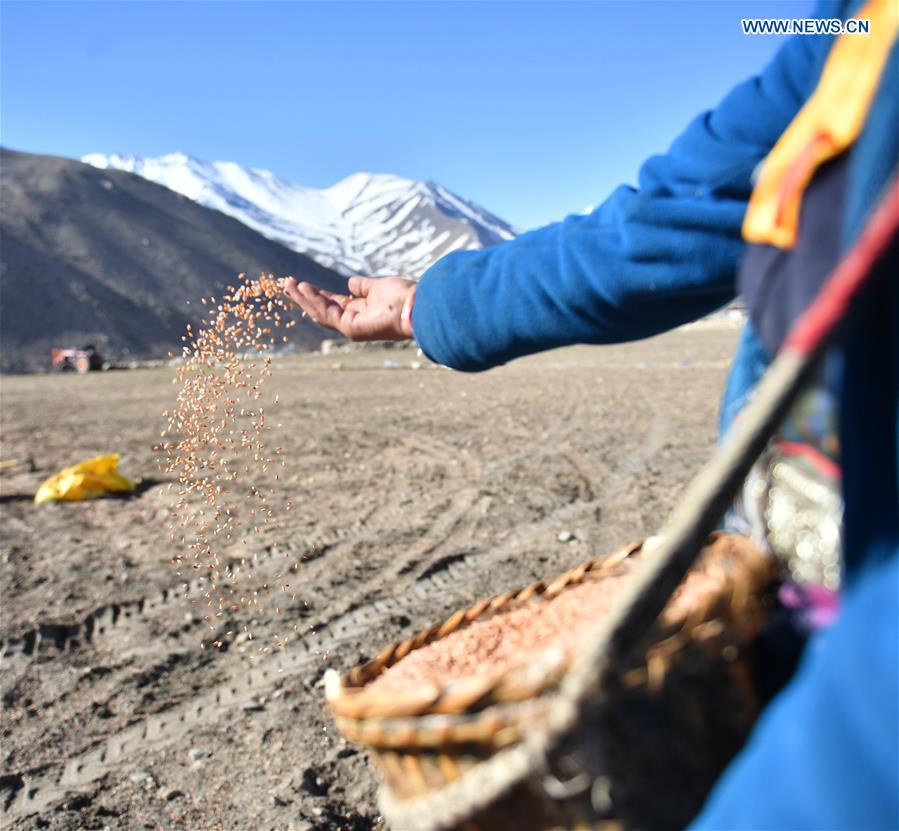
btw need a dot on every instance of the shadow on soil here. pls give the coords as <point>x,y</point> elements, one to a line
<point>141,488</point>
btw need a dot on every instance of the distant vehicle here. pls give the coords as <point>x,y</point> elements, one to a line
<point>71,359</point>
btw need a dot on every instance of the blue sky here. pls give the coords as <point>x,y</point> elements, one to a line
<point>534,109</point>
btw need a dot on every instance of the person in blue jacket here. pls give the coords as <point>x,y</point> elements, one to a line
<point>758,197</point>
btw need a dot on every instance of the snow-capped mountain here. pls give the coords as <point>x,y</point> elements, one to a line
<point>365,224</point>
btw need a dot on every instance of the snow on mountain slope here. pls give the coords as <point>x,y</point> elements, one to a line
<point>365,224</point>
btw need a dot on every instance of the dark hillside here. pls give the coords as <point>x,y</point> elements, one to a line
<point>106,257</point>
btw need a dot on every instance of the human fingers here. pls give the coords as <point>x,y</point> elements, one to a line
<point>306,297</point>
<point>360,286</point>
<point>291,290</point>
<point>288,286</point>
<point>340,299</point>
<point>320,308</point>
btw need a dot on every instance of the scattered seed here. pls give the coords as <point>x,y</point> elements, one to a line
<point>224,362</point>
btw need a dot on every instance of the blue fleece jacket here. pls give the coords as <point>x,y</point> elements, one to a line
<point>646,260</point>
<point>826,753</point>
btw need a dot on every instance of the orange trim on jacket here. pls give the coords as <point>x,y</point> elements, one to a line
<point>828,123</point>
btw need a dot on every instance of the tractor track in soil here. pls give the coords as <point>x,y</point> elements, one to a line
<point>36,794</point>
<point>455,491</point>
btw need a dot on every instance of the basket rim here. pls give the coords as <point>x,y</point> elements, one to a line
<point>506,724</point>
<point>349,697</point>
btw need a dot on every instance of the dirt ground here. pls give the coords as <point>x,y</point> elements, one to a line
<point>415,490</point>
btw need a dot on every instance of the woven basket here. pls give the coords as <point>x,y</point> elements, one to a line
<point>648,747</point>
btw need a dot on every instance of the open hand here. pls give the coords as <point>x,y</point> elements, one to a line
<point>377,308</point>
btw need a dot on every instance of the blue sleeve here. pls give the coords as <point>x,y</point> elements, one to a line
<point>648,259</point>
<point>826,753</point>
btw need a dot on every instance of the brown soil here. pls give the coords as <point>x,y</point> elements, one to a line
<point>415,493</point>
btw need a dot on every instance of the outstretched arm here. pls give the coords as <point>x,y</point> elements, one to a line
<point>650,258</point>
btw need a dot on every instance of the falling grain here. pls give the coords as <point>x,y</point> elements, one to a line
<point>217,428</point>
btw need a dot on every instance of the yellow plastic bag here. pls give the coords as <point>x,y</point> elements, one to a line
<point>86,480</point>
